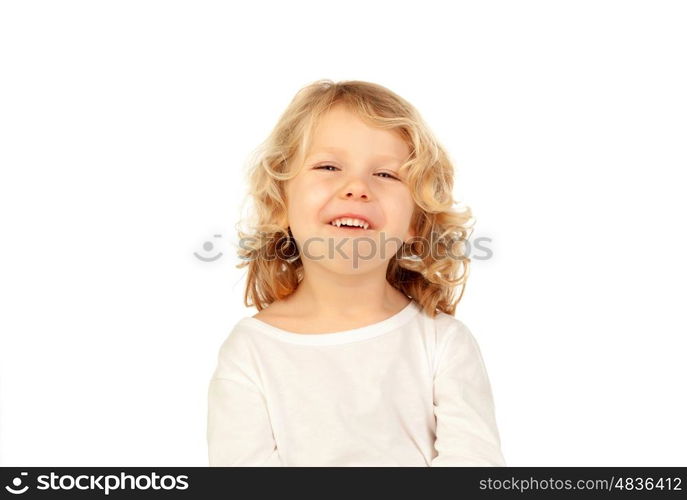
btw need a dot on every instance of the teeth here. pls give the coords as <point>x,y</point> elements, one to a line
<point>349,222</point>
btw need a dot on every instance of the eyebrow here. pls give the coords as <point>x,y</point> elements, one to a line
<point>343,152</point>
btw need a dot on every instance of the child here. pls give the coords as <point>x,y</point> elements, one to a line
<point>354,357</point>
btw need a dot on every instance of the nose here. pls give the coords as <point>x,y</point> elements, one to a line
<point>356,188</point>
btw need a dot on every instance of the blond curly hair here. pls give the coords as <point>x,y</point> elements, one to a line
<point>427,269</point>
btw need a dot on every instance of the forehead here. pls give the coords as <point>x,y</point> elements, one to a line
<point>343,133</point>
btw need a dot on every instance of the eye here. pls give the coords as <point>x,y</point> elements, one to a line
<point>326,166</point>
<point>320,167</point>
<point>390,176</point>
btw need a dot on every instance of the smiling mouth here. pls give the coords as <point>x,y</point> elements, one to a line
<point>345,228</point>
<point>351,221</point>
<point>351,224</point>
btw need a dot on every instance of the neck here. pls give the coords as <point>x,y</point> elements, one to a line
<point>326,294</point>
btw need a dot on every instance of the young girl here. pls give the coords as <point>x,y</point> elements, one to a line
<point>354,357</point>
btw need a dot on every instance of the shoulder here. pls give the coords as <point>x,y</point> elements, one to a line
<point>454,339</point>
<point>238,356</point>
<point>450,329</point>
<point>238,343</point>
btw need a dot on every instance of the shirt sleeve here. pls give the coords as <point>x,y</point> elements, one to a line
<point>239,432</point>
<point>466,430</point>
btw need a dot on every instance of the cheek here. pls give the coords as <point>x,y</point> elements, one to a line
<point>314,197</point>
<point>401,207</point>
<point>306,199</point>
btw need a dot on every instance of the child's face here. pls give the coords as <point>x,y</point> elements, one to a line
<point>360,163</point>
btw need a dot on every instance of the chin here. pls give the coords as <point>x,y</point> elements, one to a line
<point>353,267</point>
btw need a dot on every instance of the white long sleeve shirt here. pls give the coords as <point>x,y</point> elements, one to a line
<point>410,390</point>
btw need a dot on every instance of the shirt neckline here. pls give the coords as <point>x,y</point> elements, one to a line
<point>342,337</point>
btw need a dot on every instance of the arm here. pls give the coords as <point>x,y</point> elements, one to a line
<point>239,432</point>
<point>466,433</point>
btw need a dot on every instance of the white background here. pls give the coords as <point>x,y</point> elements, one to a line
<point>125,128</point>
